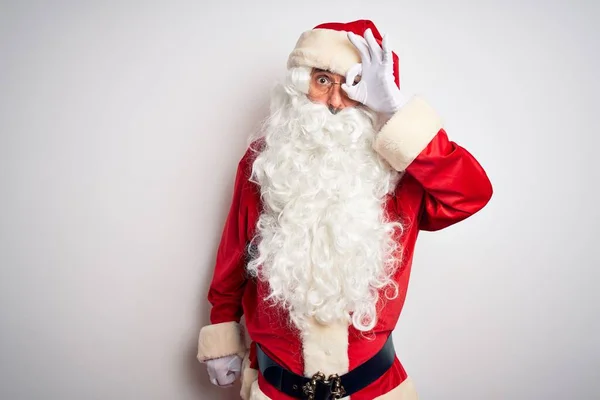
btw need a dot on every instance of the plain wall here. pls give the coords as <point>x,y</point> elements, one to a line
<point>121,125</point>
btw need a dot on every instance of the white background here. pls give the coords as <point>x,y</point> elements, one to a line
<point>121,127</point>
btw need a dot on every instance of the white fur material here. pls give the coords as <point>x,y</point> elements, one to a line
<point>256,393</point>
<point>405,391</point>
<point>325,49</point>
<point>249,376</point>
<point>407,133</point>
<point>323,242</point>
<point>220,340</point>
<point>325,348</point>
<point>323,186</point>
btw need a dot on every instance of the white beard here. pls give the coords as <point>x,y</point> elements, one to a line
<point>323,242</point>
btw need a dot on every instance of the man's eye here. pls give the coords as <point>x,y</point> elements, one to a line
<point>322,80</point>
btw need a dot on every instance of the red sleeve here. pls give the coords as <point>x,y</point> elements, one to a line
<point>456,186</point>
<point>229,278</point>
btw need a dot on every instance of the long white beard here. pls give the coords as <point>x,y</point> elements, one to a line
<point>323,242</point>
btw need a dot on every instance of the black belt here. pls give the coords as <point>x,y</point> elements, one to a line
<point>320,387</point>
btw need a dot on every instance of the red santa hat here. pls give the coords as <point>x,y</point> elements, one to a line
<point>327,47</point>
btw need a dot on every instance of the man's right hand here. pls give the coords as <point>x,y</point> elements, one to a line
<point>224,371</point>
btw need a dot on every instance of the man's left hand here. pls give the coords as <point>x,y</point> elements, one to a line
<point>376,89</point>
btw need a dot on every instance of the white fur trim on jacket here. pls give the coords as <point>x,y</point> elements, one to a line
<point>249,376</point>
<point>407,133</point>
<point>325,349</point>
<point>404,391</point>
<point>325,49</point>
<point>220,340</point>
<point>256,393</point>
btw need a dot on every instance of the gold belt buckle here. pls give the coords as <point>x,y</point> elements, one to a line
<point>336,390</point>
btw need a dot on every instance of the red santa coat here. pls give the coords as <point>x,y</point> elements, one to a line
<point>442,185</point>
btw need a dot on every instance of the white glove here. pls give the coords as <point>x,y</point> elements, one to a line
<point>224,371</point>
<point>376,89</point>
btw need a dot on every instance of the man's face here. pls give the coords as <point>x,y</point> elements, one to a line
<point>326,87</point>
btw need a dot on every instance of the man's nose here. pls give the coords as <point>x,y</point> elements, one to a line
<point>335,98</point>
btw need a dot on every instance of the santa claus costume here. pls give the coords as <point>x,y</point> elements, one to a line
<point>317,248</point>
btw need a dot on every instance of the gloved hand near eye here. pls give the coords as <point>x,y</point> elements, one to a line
<point>224,371</point>
<point>376,89</point>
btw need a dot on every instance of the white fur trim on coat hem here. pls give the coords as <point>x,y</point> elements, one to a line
<point>220,340</point>
<point>249,376</point>
<point>256,393</point>
<point>407,133</point>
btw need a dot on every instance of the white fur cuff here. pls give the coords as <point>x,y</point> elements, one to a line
<point>220,340</point>
<point>407,133</point>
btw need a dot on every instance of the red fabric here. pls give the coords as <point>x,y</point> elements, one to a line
<point>229,278</point>
<point>359,27</point>
<point>444,185</point>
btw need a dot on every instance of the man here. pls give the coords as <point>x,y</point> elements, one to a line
<point>317,248</point>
